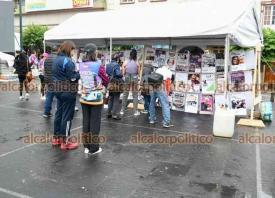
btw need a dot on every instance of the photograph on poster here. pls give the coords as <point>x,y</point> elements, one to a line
<point>206,104</point>
<point>195,63</point>
<point>181,80</point>
<point>192,103</point>
<point>208,63</point>
<point>182,63</point>
<point>194,84</point>
<point>237,60</point>
<point>208,83</point>
<point>220,101</point>
<point>149,56</point>
<point>178,101</point>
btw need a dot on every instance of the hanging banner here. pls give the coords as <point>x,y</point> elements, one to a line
<point>45,5</point>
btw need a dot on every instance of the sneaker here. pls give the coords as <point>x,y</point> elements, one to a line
<point>68,145</point>
<point>137,113</point>
<point>167,125</point>
<point>27,96</point>
<point>42,98</point>
<point>144,112</point>
<point>45,115</point>
<point>21,98</point>
<point>152,122</point>
<point>109,116</point>
<point>56,141</point>
<point>76,108</point>
<point>87,151</point>
<point>116,118</point>
<point>121,112</point>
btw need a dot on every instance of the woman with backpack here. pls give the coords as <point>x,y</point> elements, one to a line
<point>131,70</point>
<point>115,75</point>
<point>21,67</point>
<point>91,98</point>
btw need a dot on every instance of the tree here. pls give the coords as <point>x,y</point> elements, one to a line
<point>33,37</point>
<point>269,45</point>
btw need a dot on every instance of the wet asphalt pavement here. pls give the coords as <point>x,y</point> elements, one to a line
<point>224,168</point>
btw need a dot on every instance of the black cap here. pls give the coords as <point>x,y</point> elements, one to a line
<point>90,48</point>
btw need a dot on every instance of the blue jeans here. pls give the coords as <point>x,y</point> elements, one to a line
<point>161,95</point>
<point>147,100</point>
<point>48,102</point>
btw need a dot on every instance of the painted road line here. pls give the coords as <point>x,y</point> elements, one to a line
<point>15,194</point>
<point>27,146</point>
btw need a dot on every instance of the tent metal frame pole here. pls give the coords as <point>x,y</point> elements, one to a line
<point>44,45</point>
<point>111,48</point>
<point>226,63</point>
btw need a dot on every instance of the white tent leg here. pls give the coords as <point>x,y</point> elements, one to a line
<point>111,48</point>
<point>44,46</point>
<point>226,63</point>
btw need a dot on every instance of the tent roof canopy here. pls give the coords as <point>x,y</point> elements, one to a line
<point>170,23</point>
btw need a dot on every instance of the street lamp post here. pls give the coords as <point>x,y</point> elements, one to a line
<point>20,25</point>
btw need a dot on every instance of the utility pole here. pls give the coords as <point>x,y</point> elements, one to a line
<point>20,25</point>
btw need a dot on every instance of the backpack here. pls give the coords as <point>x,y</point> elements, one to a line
<point>155,78</point>
<point>91,82</point>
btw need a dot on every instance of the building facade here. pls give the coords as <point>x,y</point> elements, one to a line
<point>116,4</point>
<point>53,12</point>
<point>268,13</point>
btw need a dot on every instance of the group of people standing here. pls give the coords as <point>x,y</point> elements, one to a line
<point>60,76</point>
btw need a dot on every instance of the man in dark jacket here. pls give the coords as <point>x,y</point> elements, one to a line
<point>22,68</point>
<point>48,65</point>
<point>115,76</point>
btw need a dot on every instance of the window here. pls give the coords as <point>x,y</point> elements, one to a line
<point>127,1</point>
<point>269,15</point>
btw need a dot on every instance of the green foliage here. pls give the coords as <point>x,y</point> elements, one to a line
<point>33,37</point>
<point>269,45</point>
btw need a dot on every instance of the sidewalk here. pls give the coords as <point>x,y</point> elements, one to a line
<point>224,168</point>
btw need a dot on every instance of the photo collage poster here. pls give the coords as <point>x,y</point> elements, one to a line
<point>160,57</point>
<point>220,62</point>
<point>220,83</point>
<point>220,101</point>
<point>178,101</point>
<point>195,63</point>
<point>207,104</point>
<point>149,56</point>
<point>192,103</point>
<point>182,63</point>
<point>181,80</point>
<point>240,81</point>
<point>208,63</point>
<point>171,60</point>
<point>237,60</point>
<point>238,104</point>
<point>194,82</point>
<point>208,83</point>
<point>242,60</point>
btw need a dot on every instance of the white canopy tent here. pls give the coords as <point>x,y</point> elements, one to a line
<point>174,23</point>
<point>192,22</point>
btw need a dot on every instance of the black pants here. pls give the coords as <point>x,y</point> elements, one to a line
<point>91,126</point>
<point>42,81</point>
<point>64,113</point>
<point>113,104</point>
<point>22,82</point>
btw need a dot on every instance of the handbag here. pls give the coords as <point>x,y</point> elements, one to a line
<point>29,75</point>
